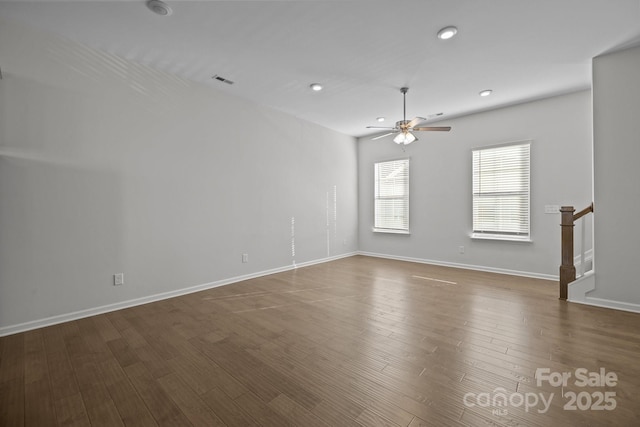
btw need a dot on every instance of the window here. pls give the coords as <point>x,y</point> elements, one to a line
<point>391,209</point>
<point>501,192</point>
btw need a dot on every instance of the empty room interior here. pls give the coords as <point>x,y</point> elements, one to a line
<point>325,213</point>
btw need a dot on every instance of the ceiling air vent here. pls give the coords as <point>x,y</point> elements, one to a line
<point>222,79</point>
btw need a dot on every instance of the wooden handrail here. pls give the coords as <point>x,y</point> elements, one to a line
<point>567,268</point>
<point>583,212</point>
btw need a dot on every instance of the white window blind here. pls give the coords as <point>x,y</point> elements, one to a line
<point>501,177</point>
<point>392,196</point>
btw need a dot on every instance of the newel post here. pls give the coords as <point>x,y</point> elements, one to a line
<point>567,269</point>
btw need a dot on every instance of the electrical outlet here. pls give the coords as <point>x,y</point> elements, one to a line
<point>461,249</point>
<point>118,279</point>
<point>245,257</point>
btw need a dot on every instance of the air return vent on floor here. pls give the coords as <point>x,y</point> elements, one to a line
<point>222,79</point>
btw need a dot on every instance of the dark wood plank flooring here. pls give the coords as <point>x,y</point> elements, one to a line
<point>355,342</point>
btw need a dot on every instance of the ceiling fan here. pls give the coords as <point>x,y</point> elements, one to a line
<point>404,127</point>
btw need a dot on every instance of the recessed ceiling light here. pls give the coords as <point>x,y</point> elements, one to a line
<point>447,32</point>
<point>159,7</point>
<point>380,119</point>
<point>316,86</point>
<point>486,92</point>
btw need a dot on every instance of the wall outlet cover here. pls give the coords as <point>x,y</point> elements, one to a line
<point>118,279</point>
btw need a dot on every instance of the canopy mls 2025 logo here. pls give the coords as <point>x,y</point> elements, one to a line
<point>598,397</point>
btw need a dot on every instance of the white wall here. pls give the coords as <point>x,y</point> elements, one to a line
<point>440,185</point>
<point>107,166</point>
<point>616,100</point>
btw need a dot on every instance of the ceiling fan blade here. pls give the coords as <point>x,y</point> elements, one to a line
<point>415,121</point>
<point>382,136</point>
<point>380,127</point>
<point>435,128</point>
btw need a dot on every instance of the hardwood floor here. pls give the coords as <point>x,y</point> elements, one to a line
<point>355,342</point>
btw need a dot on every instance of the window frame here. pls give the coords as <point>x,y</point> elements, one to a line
<point>380,228</point>
<point>479,232</point>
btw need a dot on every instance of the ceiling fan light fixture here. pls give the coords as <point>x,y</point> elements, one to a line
<point>159,7</point>
<point>405,138</point>
<point>447,32</point>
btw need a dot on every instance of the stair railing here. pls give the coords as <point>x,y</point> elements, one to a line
<point>568,268</point>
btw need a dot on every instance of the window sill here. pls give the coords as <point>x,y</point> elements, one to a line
<point>502,237</point>
<point>390,231</point>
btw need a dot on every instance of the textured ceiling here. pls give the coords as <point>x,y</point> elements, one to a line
<point>363,52</point>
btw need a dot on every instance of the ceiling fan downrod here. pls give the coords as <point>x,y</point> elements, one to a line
<point>404,91</point>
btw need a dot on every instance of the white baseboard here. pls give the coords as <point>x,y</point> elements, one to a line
<point>579,293</point>
<point>464,266</point>
<point>67,317</point>
<point>607,303</point>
